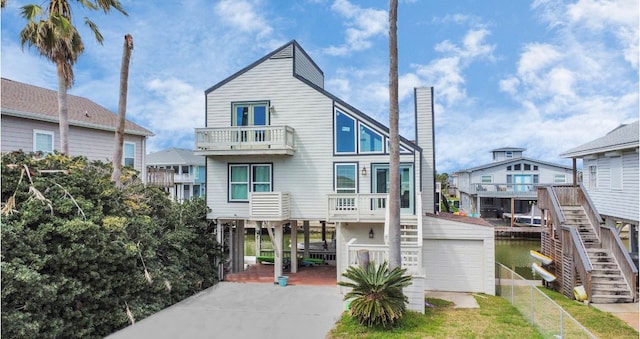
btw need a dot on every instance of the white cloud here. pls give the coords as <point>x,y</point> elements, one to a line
<point>363,25</point>
<point>242,16</point>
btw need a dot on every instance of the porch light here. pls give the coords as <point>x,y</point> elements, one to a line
<point>364,171</point>
<point>272,109</point>
<point>371,233</point>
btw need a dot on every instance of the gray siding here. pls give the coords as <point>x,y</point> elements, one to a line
<point>618,203</point>
<point>17,134</point>
<point>307,175</point>
<point>305,68</point>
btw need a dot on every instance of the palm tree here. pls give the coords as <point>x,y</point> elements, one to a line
<point>376,294</point>
<point>122,109</point>
<point>394,142</point>
<point>52,33</point>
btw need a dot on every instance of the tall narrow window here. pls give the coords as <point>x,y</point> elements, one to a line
<point>593,176</point>
<point>345,133</point>
<point>616,172</point>
<point>346,178</point>
<point>129,156</point>
<point>261,178</point>
<point>43,141</point>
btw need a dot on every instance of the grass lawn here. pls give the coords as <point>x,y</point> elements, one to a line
<point>496,318</point>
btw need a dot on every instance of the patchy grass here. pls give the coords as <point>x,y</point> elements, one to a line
<point>601,324</point>
<point>495,318</point>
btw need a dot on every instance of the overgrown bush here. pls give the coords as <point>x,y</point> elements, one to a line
<point>81,258</point>
<point>376,293</point>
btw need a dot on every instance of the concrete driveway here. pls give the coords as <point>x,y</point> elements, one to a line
<point>245,310</point>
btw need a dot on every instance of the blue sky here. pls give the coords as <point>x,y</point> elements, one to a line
<point>546,75</point>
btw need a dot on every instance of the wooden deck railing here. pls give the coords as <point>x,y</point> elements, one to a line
<point>411,256</point>
<point>611,241</point>
<point>275,139</point>
<point>572,244</point>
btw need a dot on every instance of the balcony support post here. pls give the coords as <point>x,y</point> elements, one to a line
<point>294,246</point>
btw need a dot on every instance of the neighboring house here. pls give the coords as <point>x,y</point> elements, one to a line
<point>612,179</point>
<point>186,171</point>
<point>508,184</point>
<point>30,123</point>
<point>281,149</point>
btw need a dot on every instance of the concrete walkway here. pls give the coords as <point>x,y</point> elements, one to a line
<point>245,310</point>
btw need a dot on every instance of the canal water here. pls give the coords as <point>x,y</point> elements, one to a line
<point>514,254</point>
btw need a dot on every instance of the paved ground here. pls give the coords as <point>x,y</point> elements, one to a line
<point>245,310</point>
<point>629,313</point>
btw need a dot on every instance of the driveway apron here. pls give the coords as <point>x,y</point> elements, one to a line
<point>245,310</point>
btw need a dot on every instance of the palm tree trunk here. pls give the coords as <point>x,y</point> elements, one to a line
<point>63,107</point>
<point>122,110</point>
<point>394,152</point>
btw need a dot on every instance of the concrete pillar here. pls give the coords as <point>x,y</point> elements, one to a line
<point>294,246</point>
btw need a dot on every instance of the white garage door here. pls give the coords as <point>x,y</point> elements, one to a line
<point>454,265</point>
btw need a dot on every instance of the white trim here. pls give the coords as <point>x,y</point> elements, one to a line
<point>43,132</point>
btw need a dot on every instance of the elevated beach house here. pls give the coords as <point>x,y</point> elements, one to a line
<point>178,171</point>
<point>280,149</point>
<point>507,186</point>
<point>30,123</point>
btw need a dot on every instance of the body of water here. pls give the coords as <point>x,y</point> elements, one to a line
<point>514,254</point>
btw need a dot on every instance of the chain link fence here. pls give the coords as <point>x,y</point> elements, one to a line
<point>549,318</point>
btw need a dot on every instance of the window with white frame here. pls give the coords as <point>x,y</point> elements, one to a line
<point>129,155</point>
<point>345,178</point>
<point>246,178</point>
<point>593,176</point>
<point>42,141</point>
<point>486,179</point>
<point>559,178</point>
<point>616,172</point>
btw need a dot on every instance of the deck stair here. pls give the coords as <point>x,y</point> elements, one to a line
<point>607,281</point>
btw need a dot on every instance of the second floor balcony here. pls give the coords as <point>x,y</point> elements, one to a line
<point>502,190</point>
<point>362,208</point>
<point>245,140</point>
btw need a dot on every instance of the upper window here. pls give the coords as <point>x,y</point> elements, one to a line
<point>250,114</point>
<point>508,154</point>
<point>517,167</point>
<point>346,178</point>
<point>487,179</point>
<point>43,141</point>
<point>527,167</point>
<point>508,168</point>
<point>535,167</point>
<point>129,154</point>
<point>245,178</point>
<point>593,176</point>
<point>616,172</point>
<point>370,141</point>
<point>345,133</point>
<point>559,179</point>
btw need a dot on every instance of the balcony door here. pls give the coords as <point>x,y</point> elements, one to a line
<point>522,182</point>
<point>380,184</point>
<point>251,114</point>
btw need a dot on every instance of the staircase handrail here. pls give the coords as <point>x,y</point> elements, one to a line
<point>552,204</point>
<point>580,258</point>
<point>590,209</point>
<point>611,240</point>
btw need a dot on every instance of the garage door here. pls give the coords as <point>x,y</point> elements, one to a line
<point>454,265</point>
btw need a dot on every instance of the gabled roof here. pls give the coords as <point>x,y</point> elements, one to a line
<point>174,156</point>
<point>513,160</point>
<point>299,48</point>
<point>37,103</point>
<point>512,149</point>
<point>625,136</point>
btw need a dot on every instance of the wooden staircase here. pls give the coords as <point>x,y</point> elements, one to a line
<point>608,284</point>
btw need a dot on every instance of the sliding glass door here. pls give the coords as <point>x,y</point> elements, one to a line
<point>380,184</point>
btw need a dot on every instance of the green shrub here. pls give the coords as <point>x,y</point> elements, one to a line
<point>376,293</point>
<point>77,252</point>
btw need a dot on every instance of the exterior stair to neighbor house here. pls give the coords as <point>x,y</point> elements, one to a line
<point>607,281</point>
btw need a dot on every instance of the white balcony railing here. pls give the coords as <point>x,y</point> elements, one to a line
<point>245,140</point>
<point>411,256</point>
<point>356,207</point>
<point>269,206</point>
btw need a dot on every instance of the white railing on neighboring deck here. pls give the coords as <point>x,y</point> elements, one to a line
<point>269,206</point>
<point>245,137</point>
<point>411,255</point>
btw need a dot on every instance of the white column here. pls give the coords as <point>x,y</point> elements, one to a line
<point>277,252</point>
